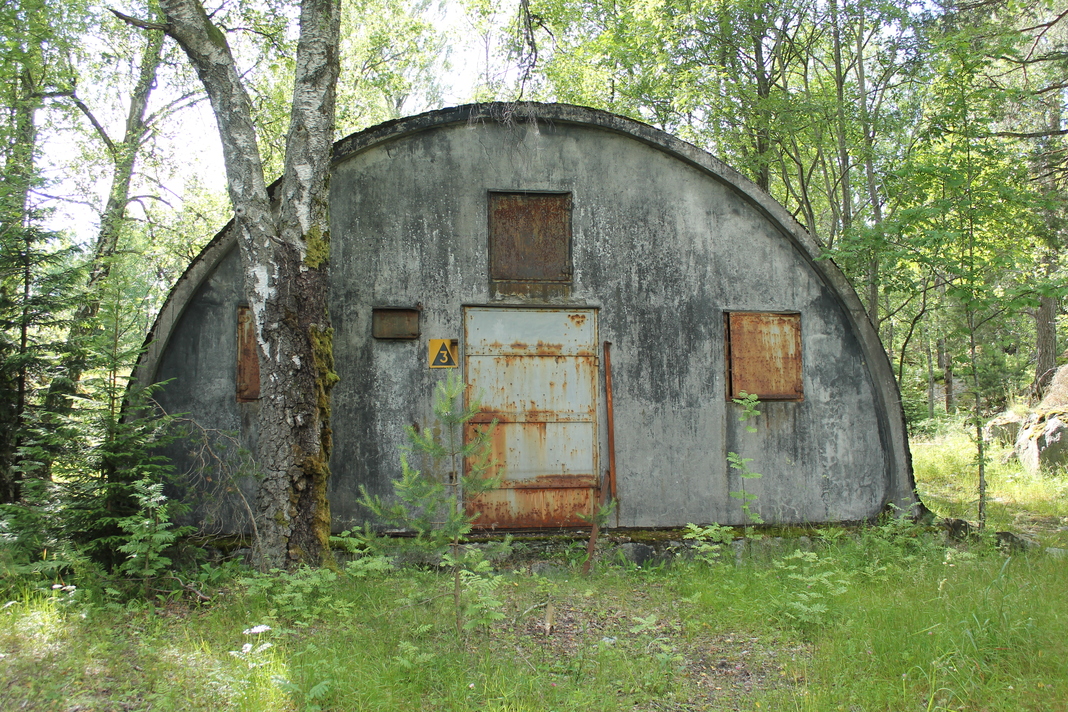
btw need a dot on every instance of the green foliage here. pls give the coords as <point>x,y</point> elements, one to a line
<point>929,626</point>
<point>149,532</point>
<point>432,503</point>
<point>302,597</point>
<point>601,516</point>
<point>811,585</point>
<point>708,541</point>
<point>38,290</point>
<point>741,464</point>
<point>748,401</point>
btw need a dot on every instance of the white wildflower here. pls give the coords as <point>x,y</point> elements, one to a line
<point>246,649</point>
<point>257,629</point>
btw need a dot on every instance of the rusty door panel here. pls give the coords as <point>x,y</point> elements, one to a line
<point>248,359</point>
<point>533,373</point>
<point>554,388</point>
<point>764,352</point>
<point>530,237</point>
<point>529,451</point>
<point>532,508</point>
<point>540,332</point>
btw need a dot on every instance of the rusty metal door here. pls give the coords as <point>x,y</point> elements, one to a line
<point>535,372</point>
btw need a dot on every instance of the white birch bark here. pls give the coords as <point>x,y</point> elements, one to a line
<point>284,251</point>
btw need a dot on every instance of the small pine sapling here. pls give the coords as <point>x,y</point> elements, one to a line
<point>430,502</point>
<point>150,533</point>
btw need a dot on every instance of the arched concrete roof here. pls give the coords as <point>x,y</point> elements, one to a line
<point>523,113</point>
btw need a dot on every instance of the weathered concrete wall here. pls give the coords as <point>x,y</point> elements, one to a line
<point>663,249</point>
<point>200,363</point>
<point>665,240</point>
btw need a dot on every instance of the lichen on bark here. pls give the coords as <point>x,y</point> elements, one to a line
<point>317,247</point>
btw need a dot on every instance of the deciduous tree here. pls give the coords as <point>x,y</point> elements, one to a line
<point>284,240</point>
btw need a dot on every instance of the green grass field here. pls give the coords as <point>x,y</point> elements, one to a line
<point>886,617</point>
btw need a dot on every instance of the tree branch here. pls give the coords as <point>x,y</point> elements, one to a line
<point>1030,134</point>
<point>143,24</point>
<point>96,124</point>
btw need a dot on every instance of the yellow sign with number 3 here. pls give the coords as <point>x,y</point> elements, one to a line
<point>443,353</point>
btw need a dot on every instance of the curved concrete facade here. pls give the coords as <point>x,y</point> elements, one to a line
<point>665,241</point>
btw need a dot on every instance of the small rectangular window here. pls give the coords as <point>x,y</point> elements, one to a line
<point>248,358</point>
<point>763,352</point>
<point>530,237</point>
<point>395,323</point>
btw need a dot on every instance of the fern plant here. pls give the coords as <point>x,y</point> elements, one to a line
<point>149,533</point>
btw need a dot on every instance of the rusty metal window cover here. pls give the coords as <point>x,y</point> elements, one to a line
<point>395,323</point>
<point>530,237</point>
<point>248,358</point>
<point>763,351</point>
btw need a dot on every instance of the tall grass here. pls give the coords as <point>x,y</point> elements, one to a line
<point>885,618</point>
<point>947,482</point>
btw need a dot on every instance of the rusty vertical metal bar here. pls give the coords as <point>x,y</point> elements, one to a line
<point>610,422</point>
<point>591,547</point>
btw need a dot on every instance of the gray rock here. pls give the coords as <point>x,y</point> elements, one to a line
<point>740,548</point>
<point>1056,553</point>
<point>1057,391</point>
<point>1013,543</point>
<point>548,569</point>
<point>1042,444</point>
<point>640,554</point>
<point>1003,428</point>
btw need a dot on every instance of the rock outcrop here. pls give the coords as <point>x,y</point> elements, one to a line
<point>1042,441</point>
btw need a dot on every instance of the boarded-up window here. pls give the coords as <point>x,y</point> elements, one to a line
<point>248,358</point>
<point>394,323</point>
<point>530,237</point>
<point>764,355</point>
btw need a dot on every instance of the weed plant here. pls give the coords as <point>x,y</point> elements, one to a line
<point>886,618</point>
<point>892,619</point>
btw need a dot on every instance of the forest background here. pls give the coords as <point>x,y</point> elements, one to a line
<point>923,144</point>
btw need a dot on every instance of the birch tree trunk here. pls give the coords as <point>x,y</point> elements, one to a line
<point>284,253</point>
<point>124,157</point>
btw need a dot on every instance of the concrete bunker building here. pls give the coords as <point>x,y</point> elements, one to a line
<point>542,255</point>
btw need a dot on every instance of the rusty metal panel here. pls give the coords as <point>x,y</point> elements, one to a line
<point>764,355</point>
<point>532,508</point>
<point>551,389</point>
<point>248,359</point>
<point>533,374</point>
<point>533,453</point>
<point>530,332</point>
<point>530,237</point>
<point>394,323</point>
